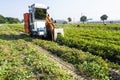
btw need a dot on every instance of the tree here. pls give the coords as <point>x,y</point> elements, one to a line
<point>69,19</point>
<point>83,19</point>
<point>2,19</point>
<point>8,20</point>
<point>11,20</point>
<point>103,18</point>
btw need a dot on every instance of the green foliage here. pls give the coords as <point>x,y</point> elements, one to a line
<point>22,60</point>
<point>69,19</point>
<point>92,68</point>
<point>2,19</point>
<point>9,20</point>
<point>104,17</point>
<point>96,40</point>
<point>83,19</point>
<point>77,58</point>
<point>85,62</point>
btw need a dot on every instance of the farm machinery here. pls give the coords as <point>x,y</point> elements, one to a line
<point>37,22</point>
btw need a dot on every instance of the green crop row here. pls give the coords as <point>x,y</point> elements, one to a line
<point>111,52</point>
<point>104,43</point>
<point>86,63</point>
<point>93,26</point>
<point>22,60</point>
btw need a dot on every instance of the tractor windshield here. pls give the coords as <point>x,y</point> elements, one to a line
<point>40,14</point>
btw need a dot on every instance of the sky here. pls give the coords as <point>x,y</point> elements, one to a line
<point>62,9</point>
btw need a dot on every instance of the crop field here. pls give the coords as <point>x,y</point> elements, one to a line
<point>92,49</point>
<point>98,39</point>
<point>21,60</point>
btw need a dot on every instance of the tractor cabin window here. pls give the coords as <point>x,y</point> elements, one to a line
<point>40,14</point>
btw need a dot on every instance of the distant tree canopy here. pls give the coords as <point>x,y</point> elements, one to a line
<point>83,19</point>
<point>12,20</point>
<point>2,19</point>
<point>69,19</point>
<point>103,18</point>
<point>9,20</point>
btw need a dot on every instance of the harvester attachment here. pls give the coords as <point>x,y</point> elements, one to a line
<point>58,31</point>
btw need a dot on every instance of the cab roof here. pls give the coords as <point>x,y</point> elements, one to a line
<point>38,5</point>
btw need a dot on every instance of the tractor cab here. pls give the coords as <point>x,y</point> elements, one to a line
<point>37,13</point>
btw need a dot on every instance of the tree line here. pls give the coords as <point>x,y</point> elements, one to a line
<point>84,18</point>
<point>9,20</point>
